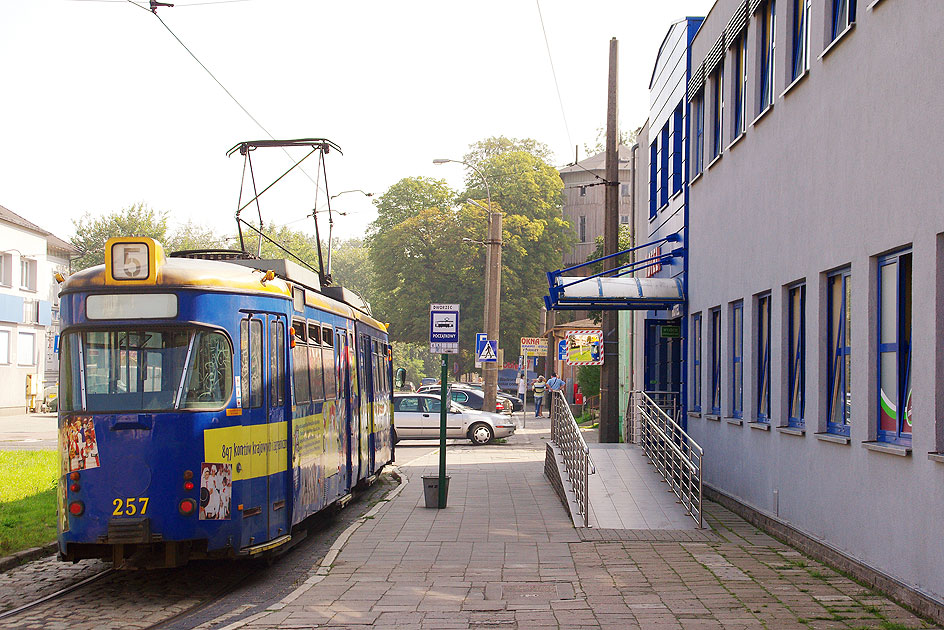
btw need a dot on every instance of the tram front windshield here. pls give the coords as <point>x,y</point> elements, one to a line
<point>121,371</point>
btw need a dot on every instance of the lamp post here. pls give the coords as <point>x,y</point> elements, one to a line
<point>492,286</point>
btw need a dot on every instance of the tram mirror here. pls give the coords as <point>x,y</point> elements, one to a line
<point>400,378</point>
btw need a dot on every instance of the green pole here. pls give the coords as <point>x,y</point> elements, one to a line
<point>443,408</point>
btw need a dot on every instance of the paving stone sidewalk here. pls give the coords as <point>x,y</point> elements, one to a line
<point>505,555</point>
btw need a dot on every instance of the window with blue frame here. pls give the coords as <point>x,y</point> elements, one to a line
<point>664,165</point>
<point>767,50</point>
<point>740,86</point>
<point>677,130</point>
<point>839,352</point>
<point>696,362</point>
<point>800,54</point>
<point>653,178</point>
<point>762,359</point>
<point>698,121</point>
<point>796,355</point>
<point>715,405</point>
<point>717,109</point>
<point>894,348</point>
<point>843,15</point>
<point>737,359</point>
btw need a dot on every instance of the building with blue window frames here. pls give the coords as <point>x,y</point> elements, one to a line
<point>816,237</point>
<point>662,140</point>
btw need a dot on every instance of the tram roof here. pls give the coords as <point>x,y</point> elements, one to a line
<point>199,274</point>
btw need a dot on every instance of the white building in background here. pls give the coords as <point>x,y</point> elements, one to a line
<point>29,310</point>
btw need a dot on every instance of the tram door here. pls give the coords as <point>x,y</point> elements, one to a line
<point>279,470</point>
<point>354,432</point>
<point>365,363</point>
<point>261,438</point>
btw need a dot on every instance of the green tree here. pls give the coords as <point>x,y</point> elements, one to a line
<point>191,235</point>
<point>416,360</point>
<point>625,241</point>
<point>588,378</point>
<point>484,150</point>
<point>91,233</point>
<point>407,198</point>
<point>425,249</point>
<point>300,244</point>
<point>425,259</point>
<point>535,235</point>
<point>350,267</point>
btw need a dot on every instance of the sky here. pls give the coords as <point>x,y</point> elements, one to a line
<point>101,107</point>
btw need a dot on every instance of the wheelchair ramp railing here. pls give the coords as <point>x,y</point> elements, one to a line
<point>566,435</point>
<point>676,456</point>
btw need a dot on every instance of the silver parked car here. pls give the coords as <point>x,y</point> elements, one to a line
<point>416,416</point>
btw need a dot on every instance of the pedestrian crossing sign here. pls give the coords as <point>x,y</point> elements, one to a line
<point>489,353</point>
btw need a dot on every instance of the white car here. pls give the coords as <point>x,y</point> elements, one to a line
<point>416,416</point>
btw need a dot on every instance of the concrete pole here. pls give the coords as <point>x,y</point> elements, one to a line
<point>492,298</point>
<point>609,377</point>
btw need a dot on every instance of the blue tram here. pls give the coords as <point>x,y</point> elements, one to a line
<point>208,407</point>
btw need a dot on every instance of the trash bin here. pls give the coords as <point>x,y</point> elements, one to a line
<point>431,488</point>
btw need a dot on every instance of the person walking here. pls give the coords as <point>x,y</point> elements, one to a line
<point>538,388</point>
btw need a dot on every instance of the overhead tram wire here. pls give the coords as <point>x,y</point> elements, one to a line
<point>153,9</point>
<point>176,4</point>
<point>550,59</point>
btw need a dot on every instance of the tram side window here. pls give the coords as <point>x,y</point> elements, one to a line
<point>330,371</point>
<point>277,360</point>
<point>300,364</point>
<point>210,377</point>
<point>70,394</point>
<point>250,349</point>
<point>378,373</point>
<point>314,357</point>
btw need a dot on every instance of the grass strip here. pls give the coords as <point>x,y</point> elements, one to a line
<point>27,499</point>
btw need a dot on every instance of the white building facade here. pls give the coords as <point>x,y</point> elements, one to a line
<point>29,311</point>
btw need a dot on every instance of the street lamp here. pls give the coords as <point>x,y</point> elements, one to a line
<point>492,285</point>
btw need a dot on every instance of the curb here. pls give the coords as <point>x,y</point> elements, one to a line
<point>27,555</point>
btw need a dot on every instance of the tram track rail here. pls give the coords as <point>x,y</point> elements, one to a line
<point>171,599</point>
<point>56,595</point>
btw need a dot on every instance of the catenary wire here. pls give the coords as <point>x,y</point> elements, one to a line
<point>554,73</point>
<point>176,4</point>
<point>228,93</point>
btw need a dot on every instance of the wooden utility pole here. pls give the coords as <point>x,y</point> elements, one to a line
<point>609,377</point>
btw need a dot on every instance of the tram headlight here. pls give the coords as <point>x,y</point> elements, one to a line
<point>187,507</point>
<point>76,508</point>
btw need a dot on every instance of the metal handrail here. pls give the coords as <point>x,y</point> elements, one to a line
<point>566,435</point>
<point>673,452</point>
